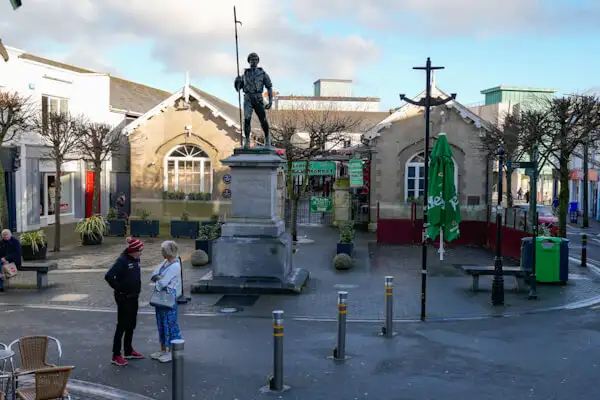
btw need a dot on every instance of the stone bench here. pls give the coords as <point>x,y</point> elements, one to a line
<point>41,268</point>
<point>477,271</point>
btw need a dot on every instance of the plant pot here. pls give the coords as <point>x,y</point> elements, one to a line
<point>139,227</point>
<point>29,255</point>
<point>206,246</point>
<point>117,227</point>
<point>345,248</point>
<point>88,240</point>
<point>184,229</point>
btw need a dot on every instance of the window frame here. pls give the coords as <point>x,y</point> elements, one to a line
<point>188,157</point>
<point>417,165</point>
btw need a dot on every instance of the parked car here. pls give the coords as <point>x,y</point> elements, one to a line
<point>546,217</point>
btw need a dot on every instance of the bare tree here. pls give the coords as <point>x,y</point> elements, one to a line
<point>504,133</point>
<point>573,120</point>
<point>61,133</point>
<point>305,134</point>
<point>16,112</point>
<point>98,142</point>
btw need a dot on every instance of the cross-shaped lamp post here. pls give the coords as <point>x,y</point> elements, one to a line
<point>426,102</point>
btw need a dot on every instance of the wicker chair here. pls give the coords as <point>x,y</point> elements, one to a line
<point>32,353</point>
<point>50,384</point>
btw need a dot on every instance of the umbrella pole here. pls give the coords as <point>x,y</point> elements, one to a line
<point>441,245</point>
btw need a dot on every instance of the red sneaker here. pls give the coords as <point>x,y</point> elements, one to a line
<point>120,361</point>
<point>134,355</point>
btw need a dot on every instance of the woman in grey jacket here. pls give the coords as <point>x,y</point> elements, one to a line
<point>167,277</point>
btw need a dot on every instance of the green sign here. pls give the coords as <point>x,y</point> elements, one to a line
<point>321,204</point>
<point>355,170</point>
<point>520,164</point>
<point>317,168</point>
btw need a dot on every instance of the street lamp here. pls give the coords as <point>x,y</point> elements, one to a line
<point>15,4</point>
<point>498,282</point>
<point>426,102</point>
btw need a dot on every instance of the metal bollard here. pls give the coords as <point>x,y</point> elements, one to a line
<point>388,329</point>
<point>276,382</point>
<point>584,241</point>
<point>339,353</point>
<point>177,379</point>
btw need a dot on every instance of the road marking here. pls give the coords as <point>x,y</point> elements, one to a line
<point>70,297</point>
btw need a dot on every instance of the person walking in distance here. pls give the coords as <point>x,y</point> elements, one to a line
<point>125,279</point>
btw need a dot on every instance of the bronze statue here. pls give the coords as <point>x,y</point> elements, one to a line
<point>253,82</point>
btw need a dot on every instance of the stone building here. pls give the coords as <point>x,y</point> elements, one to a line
<point>176,150</point>
<point>398,170</point>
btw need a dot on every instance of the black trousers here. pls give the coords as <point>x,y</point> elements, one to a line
<point>127,309</point>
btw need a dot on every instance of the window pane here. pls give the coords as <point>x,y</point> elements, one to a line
<point>422,171</point>
<point>171,175</point>
<point>411,172</point>
<point>53,106</point>
<point>64,106</point>
<point>66,193</point>
<point>411,184</point>
<point>206,177</point>
<point>422,184</point>
<point>421,193</point>
<point>51,182</point>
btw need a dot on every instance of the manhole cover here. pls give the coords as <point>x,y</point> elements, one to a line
<point>228,310</point>
<point>237,301</point>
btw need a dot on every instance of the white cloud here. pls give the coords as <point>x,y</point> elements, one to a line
<point>456,17</point>
<point>187,34</point>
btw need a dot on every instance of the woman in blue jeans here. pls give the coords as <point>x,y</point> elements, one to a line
<point>167,277</point>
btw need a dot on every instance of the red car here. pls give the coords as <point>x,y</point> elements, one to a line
<point>545,218</point>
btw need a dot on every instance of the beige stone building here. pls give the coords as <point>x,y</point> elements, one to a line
<point>176,150</point>
<point>398,169</point>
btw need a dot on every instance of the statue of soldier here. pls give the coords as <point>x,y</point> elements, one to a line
<point>253,82</point>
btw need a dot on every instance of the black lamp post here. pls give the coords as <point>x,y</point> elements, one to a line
<point>498,282</point>
<point>426,102</point>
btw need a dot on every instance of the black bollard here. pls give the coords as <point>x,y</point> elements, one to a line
<point>584,241</point>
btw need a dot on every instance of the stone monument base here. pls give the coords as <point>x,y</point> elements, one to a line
<point>254,253</point>
<point>294,283</point>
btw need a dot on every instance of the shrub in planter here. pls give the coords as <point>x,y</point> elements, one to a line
<point>346,243</point>
<point>115,225</point>
<point>92,230</point>
<point>184,227</point>
<point>206,235</point>
<point>33,245</point>
<point>343,262</point>
<point>143,225</point>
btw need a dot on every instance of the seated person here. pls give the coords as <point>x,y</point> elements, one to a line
<point>10,252</point>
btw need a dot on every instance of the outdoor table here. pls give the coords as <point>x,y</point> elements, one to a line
<point>7,356</point>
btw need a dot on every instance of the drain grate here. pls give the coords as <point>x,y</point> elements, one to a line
<point>237,300</point>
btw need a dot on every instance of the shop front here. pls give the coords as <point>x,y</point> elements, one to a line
<point>576,189</point>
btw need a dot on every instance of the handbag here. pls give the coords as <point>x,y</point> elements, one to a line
<point>9,270</point>
<point>163,299</point>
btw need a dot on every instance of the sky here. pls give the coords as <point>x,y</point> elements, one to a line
<point>481,43</point>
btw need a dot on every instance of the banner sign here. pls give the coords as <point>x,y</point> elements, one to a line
<point>355,170</point>
<point>317,168</point>
<point>321,204</point>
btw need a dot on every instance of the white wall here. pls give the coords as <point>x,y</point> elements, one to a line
<point>87,95</point>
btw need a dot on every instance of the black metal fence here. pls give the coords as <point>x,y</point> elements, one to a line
<point>305,215</point>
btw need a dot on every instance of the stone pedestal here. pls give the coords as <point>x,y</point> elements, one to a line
<point>341,201</point>
<point>254,253</point>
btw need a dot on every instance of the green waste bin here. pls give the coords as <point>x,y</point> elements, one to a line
<point>547,265</point>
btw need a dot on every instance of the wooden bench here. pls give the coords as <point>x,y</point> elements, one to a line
<point>41,268</point>
<point>477,271</point>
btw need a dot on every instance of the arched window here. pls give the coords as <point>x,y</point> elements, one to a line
<point>188,169</point>
<point>414,177</point>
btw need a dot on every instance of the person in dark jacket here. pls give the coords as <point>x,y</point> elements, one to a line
<point>10,253</point>
<point>125,279</point>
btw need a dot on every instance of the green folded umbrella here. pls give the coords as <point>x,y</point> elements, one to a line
<point>443,207</point>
